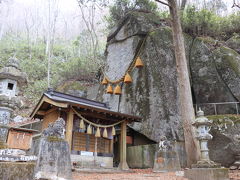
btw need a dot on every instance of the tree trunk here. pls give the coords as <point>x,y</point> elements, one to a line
<point>185,95</point>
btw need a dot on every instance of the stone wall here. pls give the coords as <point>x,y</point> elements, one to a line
<point>90,162</point>
<point>141,156</point>
<point>17,170</point>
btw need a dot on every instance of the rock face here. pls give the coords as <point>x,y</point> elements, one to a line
<point>214,76</point>
<point>225,145</point>
<point>153,94</point>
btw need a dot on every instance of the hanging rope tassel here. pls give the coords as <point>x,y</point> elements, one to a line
<point>104,81</point>
<point>82,125</point>
<point>105,133</point>
<point>113,131</point>
<point>109,89</point>
<point>97,134</point>
<point>89,129</point>
<point>138,63</point>
<point>127,78</point>
<point>117,90</point>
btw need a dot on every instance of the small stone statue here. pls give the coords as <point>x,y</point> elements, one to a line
<point>164,144</point>
<point>166,158</point>
<point>56,129</point>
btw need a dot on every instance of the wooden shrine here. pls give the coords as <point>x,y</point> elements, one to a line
<point>20,138</point>
<point>90,126</point>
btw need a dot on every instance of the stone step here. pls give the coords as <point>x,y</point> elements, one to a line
<point>88,164</point>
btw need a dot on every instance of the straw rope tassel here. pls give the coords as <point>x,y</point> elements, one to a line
<point>89,129</point>
<point>105,133</point>
<point>117,90</point>
<point>104,81</point>
<point>113,131</point>
<point>82,125</point>
<point>127,78</point>
<point>138,63</point>
<point>109,89</point>
<point>97,134</point>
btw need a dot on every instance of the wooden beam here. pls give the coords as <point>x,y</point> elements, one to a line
<point>123,147</point>
<point>41,113</point>
<point>69,128</point>
<point>106,111</point>
<point>51,110</point>
<point>98,116</point>
<point>49,101</point>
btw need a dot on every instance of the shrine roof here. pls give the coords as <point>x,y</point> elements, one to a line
<point>64,101</point>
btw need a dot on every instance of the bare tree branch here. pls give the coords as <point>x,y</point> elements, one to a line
<point>235,4</point>
<point>164,3</point>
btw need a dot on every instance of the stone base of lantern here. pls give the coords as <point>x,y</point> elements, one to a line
<point>207,174</point>
<point>206,164</point>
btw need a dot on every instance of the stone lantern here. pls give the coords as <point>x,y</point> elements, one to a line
<point>11,79</point>
<point>203,126</point>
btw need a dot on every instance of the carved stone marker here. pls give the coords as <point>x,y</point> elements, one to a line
<point>166,158</point>
<point>54,155</point>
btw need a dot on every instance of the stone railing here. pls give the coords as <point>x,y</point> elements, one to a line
<point>218,108</point>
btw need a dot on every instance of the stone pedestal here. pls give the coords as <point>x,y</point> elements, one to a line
<point>166,161</point>
<point>5,116</point>
<point>207,174</point>
<point>17,170</point>
<point>53,159</point>
<point>14,155</point>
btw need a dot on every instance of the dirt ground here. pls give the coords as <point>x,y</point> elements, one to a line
<point>137,174</point>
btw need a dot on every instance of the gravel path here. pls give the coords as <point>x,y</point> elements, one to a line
<point>136,174</point>
<point>139,174</point>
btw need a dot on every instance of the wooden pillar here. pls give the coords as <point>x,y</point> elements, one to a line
<point>123,147</point>
<point>69,128</point>
<point>111,146</point>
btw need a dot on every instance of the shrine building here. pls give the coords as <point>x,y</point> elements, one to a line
<point>91,127</point>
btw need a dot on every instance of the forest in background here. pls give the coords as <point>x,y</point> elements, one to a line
<point>69,49</point>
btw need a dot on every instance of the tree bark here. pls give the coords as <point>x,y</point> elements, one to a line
<point>185,95</point>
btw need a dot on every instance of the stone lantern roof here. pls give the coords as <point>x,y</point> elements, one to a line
<point>201,119</point>
<point>13,71</point>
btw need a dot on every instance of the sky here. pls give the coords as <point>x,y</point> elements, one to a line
<point>17,13</point>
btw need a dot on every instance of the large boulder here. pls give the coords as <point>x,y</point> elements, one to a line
<point>234,42</point>
<point>214,76</point>
<point>225,145</point>
<point>153,94</point>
